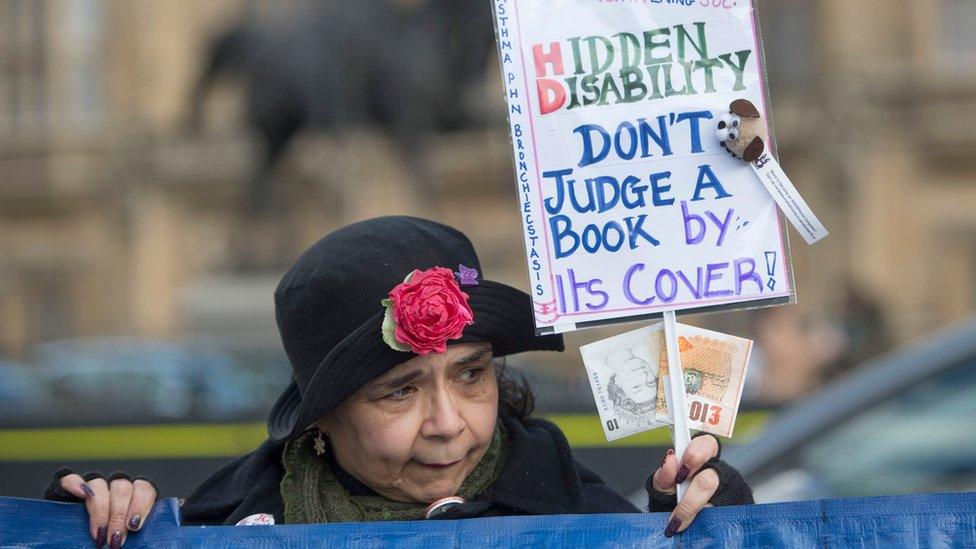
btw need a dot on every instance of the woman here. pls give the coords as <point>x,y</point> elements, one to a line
<point>397,402</point>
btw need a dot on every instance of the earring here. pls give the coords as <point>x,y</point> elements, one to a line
<point>319,444</point>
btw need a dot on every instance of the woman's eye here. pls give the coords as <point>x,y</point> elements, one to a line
<point>472,375</point>
<point>401,393</point>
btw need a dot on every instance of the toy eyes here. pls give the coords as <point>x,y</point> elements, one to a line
<point>728,125</point>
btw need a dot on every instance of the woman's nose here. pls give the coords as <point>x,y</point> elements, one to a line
<point>444,419</point>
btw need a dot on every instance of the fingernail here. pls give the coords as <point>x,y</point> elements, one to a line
<point>672,528</point>
<point>134,521</point>
<point>666,454</point>
<point>87,490</point>
<point>100,538</point>
<point>682,474</point>
<point>116,541</point>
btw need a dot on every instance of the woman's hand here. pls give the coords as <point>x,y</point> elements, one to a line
<point>116,506</point>
<point>704,484</point>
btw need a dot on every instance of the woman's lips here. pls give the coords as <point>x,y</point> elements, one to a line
<point>439,465</point>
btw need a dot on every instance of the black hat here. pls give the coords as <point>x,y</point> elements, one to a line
<point>330,317</point>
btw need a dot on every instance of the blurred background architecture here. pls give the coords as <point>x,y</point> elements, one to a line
<point>162,162</point>
<point>120,215</point>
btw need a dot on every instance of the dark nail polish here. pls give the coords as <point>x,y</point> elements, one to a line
<point>672,528</point>
<point>87,490</point>
<point>100,537</point>
<point>682,474</point>
<point>134,521</point>
<point>666,454</point>
<point>116,541</point>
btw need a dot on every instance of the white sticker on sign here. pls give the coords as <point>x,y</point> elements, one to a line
<point>788,198</point>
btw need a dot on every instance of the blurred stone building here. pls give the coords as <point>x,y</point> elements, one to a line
<point>115,219</point>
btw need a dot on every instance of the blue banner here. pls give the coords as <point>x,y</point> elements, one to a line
<point>936,520</point>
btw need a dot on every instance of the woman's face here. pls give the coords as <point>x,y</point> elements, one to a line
<point>415,433</point>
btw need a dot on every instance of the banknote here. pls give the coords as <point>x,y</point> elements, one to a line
<point>714,367</point>
<point>623,374</point>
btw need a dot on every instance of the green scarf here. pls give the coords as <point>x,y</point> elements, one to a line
<point>313,494</point>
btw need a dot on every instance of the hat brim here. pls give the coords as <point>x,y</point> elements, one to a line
<point>503,316</point>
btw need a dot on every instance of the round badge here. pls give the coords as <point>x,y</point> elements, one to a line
<point>442,505</point>
<point>259,519</point>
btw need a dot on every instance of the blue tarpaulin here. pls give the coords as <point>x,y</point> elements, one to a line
<point>936,520</point>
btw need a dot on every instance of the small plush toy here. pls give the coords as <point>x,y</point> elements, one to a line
<point>741,131</point>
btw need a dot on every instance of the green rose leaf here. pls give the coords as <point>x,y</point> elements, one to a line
<point>389,328</point>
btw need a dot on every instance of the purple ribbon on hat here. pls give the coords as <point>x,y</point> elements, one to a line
<point>466,276</point>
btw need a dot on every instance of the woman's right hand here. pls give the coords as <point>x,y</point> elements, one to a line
<point>116,506</point>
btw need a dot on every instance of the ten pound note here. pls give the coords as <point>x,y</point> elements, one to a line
<point>714,367</point>
<point>628,376</point>
<point>623,376</point>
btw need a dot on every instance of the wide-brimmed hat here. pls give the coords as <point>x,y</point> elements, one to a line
<point>330,313</point>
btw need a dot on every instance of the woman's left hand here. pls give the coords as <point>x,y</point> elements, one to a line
<point>703,486</point>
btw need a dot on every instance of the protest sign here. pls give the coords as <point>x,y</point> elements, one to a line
<point>630,204</point>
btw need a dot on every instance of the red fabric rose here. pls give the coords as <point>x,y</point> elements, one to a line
<point>427,310</point>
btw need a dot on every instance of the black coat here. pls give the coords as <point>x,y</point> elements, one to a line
<point>539,477</point>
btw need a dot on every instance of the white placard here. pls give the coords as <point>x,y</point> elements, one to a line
<point>629,204</point>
